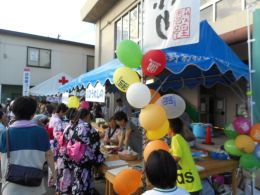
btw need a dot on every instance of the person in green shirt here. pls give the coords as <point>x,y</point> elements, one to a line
<point>187,174</point>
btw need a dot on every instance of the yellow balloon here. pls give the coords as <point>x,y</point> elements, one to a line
<point>73,102</point>
<point>159,133</point>
<point>152,117</point>
<point>124,77</point>
<point>245,143</point>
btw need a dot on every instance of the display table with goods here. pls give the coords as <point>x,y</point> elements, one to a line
<point>207,167</point>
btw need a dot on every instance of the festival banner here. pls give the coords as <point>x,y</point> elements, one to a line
<point>95,94</point>
<point>169,23</point>
<point>26,81</point>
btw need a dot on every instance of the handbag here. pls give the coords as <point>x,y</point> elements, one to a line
<point>22,175</point>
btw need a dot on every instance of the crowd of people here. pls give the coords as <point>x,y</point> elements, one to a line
<point>65,139</point>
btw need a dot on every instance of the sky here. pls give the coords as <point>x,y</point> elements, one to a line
<point>47,18</point>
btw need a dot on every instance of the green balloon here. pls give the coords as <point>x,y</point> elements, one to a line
<point>230,148</point>
<point>230,131</point>
<point>129,53</point>
<point>249,162</point>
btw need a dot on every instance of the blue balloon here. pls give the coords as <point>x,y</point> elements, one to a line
<point>257,151</point>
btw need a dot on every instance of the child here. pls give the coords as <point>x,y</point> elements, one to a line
<point>112,133</point>
<point>188,176</point>
<point>161,171</point>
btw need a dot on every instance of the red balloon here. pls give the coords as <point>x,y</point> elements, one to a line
<point>153,62</point>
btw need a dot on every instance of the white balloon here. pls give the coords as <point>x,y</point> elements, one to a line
<point>173,104</point>
<point>138,95</point>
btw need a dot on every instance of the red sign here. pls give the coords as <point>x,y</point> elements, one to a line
<point>182,21</point>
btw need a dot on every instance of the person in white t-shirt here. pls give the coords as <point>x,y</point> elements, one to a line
<point>161,171</point>
<point>120,106</point>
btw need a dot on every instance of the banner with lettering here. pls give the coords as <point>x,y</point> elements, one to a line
<point>169,23</point>
<point>26,81</point>
<point>95,94</point>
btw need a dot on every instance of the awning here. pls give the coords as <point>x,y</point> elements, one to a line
<point>50,86</point>
<point>206,63</point>
<point>101,74</point>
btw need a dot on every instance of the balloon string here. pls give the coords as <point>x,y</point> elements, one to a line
<point>158,89</point>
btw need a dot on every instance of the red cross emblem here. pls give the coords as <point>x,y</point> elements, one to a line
<point>63,80</point>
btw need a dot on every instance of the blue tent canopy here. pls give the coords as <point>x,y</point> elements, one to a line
<point>101,74</point>
<point>205,63</point>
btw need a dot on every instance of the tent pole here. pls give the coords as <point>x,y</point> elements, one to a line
<point>143,81</point>
<point>250,100</point>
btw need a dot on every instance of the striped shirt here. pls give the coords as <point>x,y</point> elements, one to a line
<point>28,145</point>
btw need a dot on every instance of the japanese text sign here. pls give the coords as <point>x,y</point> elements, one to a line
<point>169,23</point>
<point>26,81</point>
<point>95,94</point>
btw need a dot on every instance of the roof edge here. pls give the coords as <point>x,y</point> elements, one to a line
<point>43,38</point>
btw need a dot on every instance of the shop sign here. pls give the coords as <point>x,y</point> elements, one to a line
<point>95,94</point>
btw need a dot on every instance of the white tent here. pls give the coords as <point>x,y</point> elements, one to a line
<point>50,86</point>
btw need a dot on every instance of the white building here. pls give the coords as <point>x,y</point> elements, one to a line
<point>45,57</point>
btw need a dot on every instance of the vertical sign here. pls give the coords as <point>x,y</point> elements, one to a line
<point>169,23</point>
<point>26,81</point>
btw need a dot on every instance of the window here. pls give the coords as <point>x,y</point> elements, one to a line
<point>140,26</point>
<point>119,31</point>
<point>203,2</point>
<point>129,26</point>
<point>213,10</point>
<point>90,63</point>
<point>126,27</point>
<point>37,57</point>
<point>206,13</point>
<point>226,8</point>
<point>134,25</point>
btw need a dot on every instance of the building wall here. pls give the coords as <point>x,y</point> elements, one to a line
<point>64,58</point>
<point>191,96</point>
<point>105,31</point>
<point>107,45</point>
<point>232,22</point>
<point>232,99</point>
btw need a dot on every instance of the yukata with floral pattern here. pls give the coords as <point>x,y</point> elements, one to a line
<point>76,178</point>
<point>58,126</point>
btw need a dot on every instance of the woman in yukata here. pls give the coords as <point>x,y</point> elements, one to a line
<point>77,176</point>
